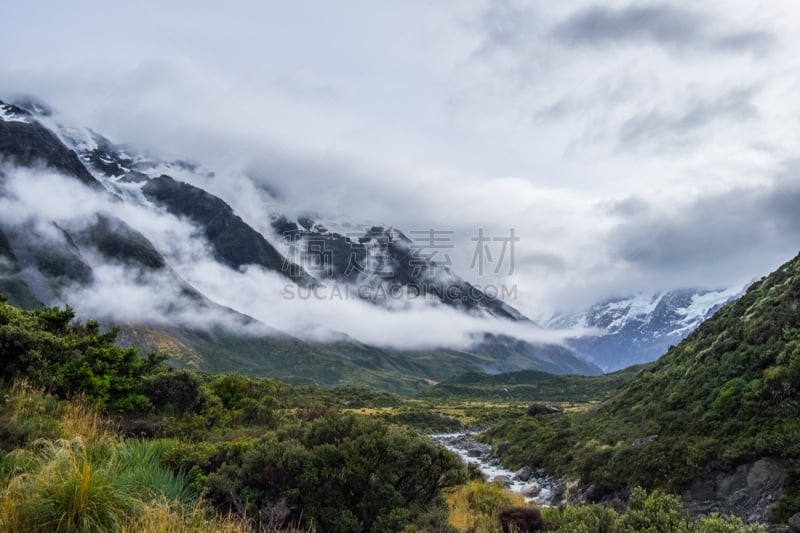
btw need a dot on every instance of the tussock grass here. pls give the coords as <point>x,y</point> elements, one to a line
<point>80,476</point>
<point>474,507</point>
<point>59,487</point>
<point>164,516</point>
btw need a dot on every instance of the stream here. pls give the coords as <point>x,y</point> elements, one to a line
<point>534,484</point>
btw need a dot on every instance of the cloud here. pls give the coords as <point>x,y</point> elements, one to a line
<point>711,233</point>
<point>664,25</point>
<point>458,115</point>
<point>503,24</point>
<point>677,128</point>
<point>124,293</point>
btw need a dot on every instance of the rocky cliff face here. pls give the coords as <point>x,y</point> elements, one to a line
<point>25,142</point>
<point>750,491</point>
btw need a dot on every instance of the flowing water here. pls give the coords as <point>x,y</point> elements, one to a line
<point>533,484</point>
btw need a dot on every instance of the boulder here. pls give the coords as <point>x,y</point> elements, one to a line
<point>533,490</point>
<point>524,473</point>
<point>643,441</point>
<point>794,523</point>
<point>505,480</point>
<point>537,409</point>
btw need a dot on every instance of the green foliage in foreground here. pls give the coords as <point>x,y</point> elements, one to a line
<point>729,393</point>
<point>258,448</point>
<point>338,472</point>
<point>263,453</point>
<point>46,347</point>
<point>645,513</point>
<point>72,474</point>
<point>477,505</point>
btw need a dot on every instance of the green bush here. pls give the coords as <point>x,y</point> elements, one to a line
<point>339,473</point>
<point>50,349</point>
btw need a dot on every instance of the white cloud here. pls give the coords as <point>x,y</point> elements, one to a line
<point>451,115</point>
<point>124,293</point>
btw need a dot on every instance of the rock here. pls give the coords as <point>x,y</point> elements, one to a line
<point>643,441</point>
<point>536,409</point>
<point>524,473</point>
<point>749,491</point>
<point>26,144</point>
<point>502,448</point>
<point>505,480</point>
<point>794,523</point>
<point>134,176</point>
<point>533,490</point>
<point>590,494</point>
<point>558,488</point>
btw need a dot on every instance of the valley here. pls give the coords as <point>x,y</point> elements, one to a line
<point>154,366</point>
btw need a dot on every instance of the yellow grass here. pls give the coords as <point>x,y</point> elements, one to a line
<point>172,517</point>
<point>474,506</point>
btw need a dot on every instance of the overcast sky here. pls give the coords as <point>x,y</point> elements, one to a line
<point>631,146</point>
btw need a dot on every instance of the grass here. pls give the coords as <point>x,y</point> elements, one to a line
<point>474,507</point>
<point>73,473</point>
<point>59,486</point>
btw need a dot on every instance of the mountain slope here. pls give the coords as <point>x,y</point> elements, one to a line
<point>640,328</point>
<point>79,257</point>
<point>25,142</point>
<point>382,262</point>
<point>530,386</point>
<point>12,282</point>
<point>726,397</point>
<point>235,243</point>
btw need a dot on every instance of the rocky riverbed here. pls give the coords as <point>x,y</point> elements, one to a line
<point>534,484</point>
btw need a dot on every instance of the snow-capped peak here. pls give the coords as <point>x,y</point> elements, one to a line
<point>641,327</point>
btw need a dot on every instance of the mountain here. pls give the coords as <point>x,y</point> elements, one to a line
<point>384,261</point>
<point>102,247</point>
<point>640,328</point>
<point>234,242</point>
<point>716,418</point>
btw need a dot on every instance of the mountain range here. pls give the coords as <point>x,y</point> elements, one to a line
<point>146,244</point>
<point>640,328</point>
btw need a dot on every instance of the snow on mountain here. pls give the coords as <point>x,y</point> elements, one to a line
<point>11,113</point>
<point>640,328</point>
<point>178,253</point>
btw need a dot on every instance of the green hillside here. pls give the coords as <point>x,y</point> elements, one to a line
<point>530,385</point>
<point>727,395</point>
<point>336,364</point>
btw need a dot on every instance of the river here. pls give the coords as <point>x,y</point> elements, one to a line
<point>533,484</point>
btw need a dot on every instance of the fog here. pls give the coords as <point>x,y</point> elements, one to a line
<point>43,202</point>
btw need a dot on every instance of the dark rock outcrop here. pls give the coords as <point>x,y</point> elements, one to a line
<point>30,143</point>
<point>119,242</point>
<point>235,243</point>
<point>749,491</point>
<point>537,409</point>
<point>794,523</point>
<point>12,283</point>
